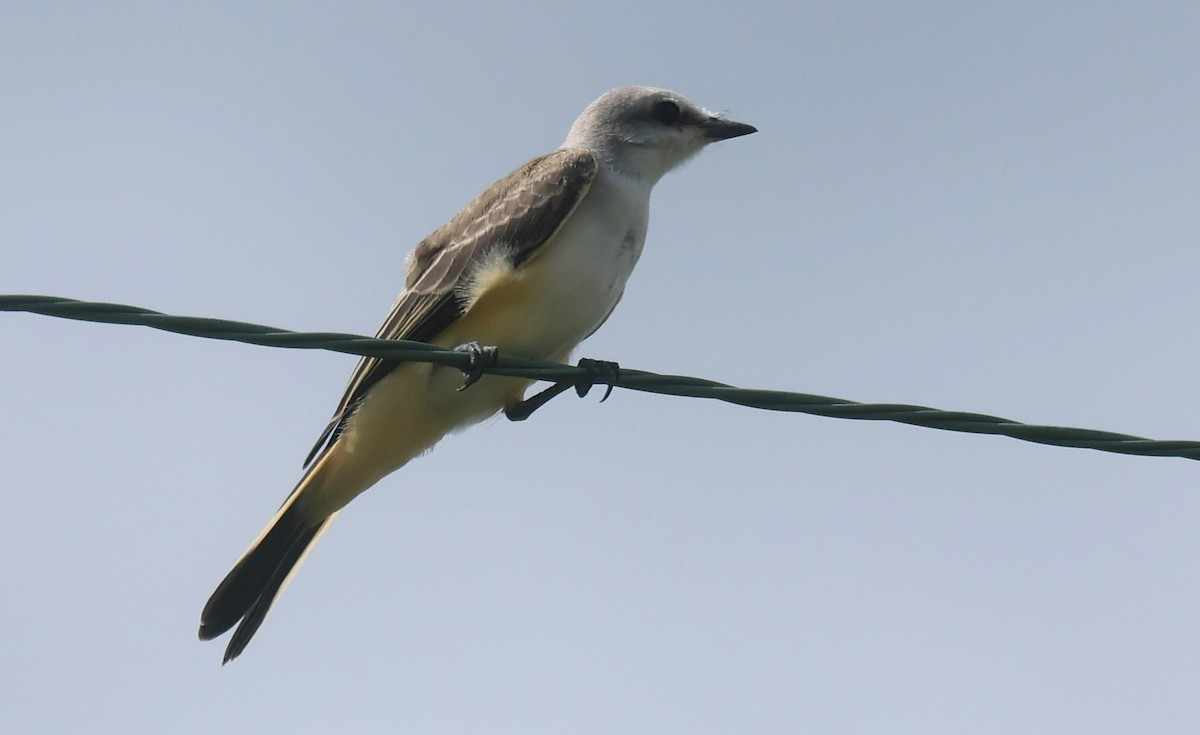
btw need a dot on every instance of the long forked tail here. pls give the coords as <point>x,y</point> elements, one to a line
<point>245,596</point>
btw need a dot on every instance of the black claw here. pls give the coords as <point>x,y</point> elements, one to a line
<point>480,357</point>
<point>604,372</point>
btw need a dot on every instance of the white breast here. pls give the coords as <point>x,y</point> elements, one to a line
<point>564,293</point>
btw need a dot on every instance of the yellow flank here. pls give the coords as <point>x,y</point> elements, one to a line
<point>417,404</point>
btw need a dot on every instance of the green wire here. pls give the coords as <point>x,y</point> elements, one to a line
<point>675,385</point>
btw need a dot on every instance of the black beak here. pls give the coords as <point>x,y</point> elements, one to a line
<point>715,128</point>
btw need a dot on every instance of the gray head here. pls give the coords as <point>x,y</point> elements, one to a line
<point>646,131</point>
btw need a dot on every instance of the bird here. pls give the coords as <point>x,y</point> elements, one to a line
<point>530,267</point>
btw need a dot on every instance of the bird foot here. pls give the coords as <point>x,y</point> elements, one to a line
<point>604,372</point>
<point>480,357</point>
<point>598,371</point>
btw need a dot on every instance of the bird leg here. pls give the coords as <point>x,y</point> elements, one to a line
<point>598,371</point>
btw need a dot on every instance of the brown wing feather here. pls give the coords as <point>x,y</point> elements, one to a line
<point>520,212</point>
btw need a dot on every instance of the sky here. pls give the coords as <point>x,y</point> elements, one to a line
<point>983,207</point>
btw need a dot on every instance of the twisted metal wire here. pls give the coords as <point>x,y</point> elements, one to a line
<point>675,385</point>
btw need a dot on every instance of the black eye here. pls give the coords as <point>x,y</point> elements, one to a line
<point>666,112</point>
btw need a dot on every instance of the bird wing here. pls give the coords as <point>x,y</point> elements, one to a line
<point>518,214</point>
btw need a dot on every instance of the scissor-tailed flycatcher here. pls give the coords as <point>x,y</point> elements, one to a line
<point>533,266</point>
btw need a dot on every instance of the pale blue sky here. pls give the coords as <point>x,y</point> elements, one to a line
<point>980,207</point>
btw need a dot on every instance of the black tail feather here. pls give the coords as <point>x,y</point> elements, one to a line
<point>262,604</point>
<point>251,586</point>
